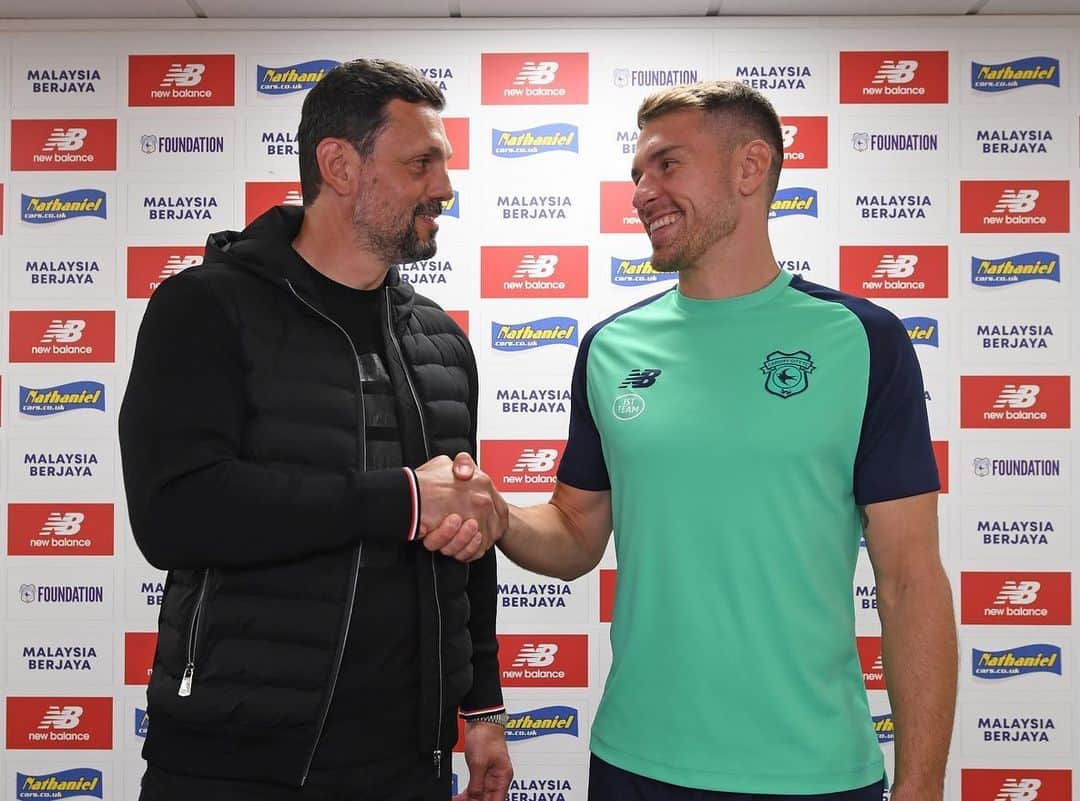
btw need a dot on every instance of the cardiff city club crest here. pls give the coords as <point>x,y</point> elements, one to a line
<point>786,374</point>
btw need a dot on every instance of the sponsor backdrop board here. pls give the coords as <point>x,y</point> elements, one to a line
<point>930,165</point>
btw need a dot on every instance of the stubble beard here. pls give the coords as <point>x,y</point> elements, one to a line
<point>393,241</point>
<point>685,253</point>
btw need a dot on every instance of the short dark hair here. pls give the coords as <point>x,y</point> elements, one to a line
<point>350,102</point>
<point>733,100</point>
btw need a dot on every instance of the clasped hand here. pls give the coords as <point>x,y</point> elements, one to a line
<point>461,512</point>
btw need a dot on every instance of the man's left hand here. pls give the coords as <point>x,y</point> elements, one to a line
<point>490,770</point>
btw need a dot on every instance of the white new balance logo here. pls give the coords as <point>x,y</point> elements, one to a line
<point>536,460</point>
<point>789,132</point>
<point>539,655</point>
<point>65,139</point>
<point>293,198</point>
<point>542,266</point>
<point>57,718</point>
<point>1016,201</point>
<point>1018,593</point>
<point>1019,790</point>
<point>1017,396</point>
<point>878,666</point>
<point>898,266</point>
<point>176,264</point>
<point>183,75</point>
<point>902,71</point>
<point>537,73</point>
<point>64,331</point>
<point>62,524</point>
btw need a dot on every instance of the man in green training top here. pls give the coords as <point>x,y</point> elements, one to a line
<point>742,431</point>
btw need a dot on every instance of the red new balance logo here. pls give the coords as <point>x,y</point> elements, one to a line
<point>1016,201</point>
<point>61,718</point>
<point>1019,790</point>
<point>1017,396</point>
<point>62,524</point>
<point>536,460</point>
<point>176,264</point>
<point>183,75</point>
<point>898,71</point>
<point>536,655</point>
<point>537,73</point>
<point>1018,593</point>
<point>896,266</point>
<point>66,139</point>
<point>789,132</point>
<point>531,266</point>
<point>63,331</point>
<point>293,198</point>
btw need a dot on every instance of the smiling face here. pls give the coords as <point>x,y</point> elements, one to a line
<point>403,183</point>
<point>685,196</point>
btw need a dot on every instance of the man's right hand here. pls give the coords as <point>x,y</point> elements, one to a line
<point>461,512</point>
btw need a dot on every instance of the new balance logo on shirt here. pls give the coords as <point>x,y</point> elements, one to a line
<point>640,379</point>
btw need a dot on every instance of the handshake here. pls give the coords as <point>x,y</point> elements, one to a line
<point>461,512</point>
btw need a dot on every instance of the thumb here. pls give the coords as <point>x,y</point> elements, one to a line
<point>464,466</point>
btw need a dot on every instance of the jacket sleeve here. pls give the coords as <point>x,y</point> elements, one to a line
<point>486,692</point>
<point>193,500</point>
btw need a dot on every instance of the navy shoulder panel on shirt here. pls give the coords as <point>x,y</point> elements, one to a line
<point>895,458</point>
<point>582,464</point>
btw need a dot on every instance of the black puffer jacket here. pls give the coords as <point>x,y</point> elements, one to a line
<point>248,486</point>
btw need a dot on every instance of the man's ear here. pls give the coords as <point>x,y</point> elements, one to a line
<point>752,169</point>
<point>339,165</point>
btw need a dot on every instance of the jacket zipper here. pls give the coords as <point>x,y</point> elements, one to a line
<point>436,754</point>
<point>189,668</point>
<point>359,549</point>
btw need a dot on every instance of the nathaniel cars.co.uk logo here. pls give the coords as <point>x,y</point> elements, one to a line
<point>895,271</point>
<point>1009,270</point>
<point>534,272</point>
<point>635,272</point>
<point>1016,599</point>
<point>1015,74</point>
<point>292,78</point>
<point>806,142</point>
<point>1025,659</point>
<point>71,205</point>
<point>517,337</point>
<point>522,465</point>
<point>182,80</point>
<point>148,266</point>
<point>544,660</point>
<point>60,529</point>
<point>1011,207</point>
<point>534,78</point>
<point>60,723</point>
<point>988,401</point>
<point>1015,784</point>
<point>56,145</point>
<point>72,783</point>
<point>62,336</point>
<point>894,77</point>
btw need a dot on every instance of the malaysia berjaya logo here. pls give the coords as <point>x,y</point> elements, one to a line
<point>787,374</point>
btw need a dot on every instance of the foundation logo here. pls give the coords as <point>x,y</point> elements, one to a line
<point>873,668</point>
<point>148,266</point>
<point>522,465</point>
<point>894,77</point>
<point>1009,270</point>
<point>69,397</point>
<point>542,722</point>
<point>59,723</point>
<point>922,330</point>
<point>534,78</point>
<point>182,80</point>
<point>637,272</point>
<point>1015,784</point>
<point>787,374</point>
<point>286,80</point>
<point>806,142</point>
<point>60,529</point>
<point>1016,599</point>
<point>1014,401</point>
<point>57,145</point>
<point>617,212</point>
<point>794,200</point>
<point>534,272</point>
<point>1025,659</point>
<point>1015,74</point>
<point>62,336</point>
<point>1014,207</point>
<point>511,337</point>
<point>624,77</point>
<point>895,271</point>
<point>40,209</point>
<point>555,660</point>
<point>74,783</point>
<point>529,142</point>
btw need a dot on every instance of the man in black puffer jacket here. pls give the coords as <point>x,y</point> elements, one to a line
<point>286,436</point>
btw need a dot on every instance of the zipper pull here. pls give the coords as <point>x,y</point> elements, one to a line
<point>185,682</point>
<point>437,755</point>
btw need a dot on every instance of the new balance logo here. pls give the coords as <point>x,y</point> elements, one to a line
<point>536,460</point>
<point>538,655</point>
<point>542,266</point>
<point>640,379</point>
<point>62,524</point>
<point>57,718</point>
<point>66,139</point>
<point>1017,396</point>
<point>64,331</point>
<point>183,75</point>
<point>879,665</point>
<point>896,266</point>
<point>293,198</point>
<point>1016,201</point>
<point>1018,593</point>
<point>1019,790</point>
<point>902,71</point>
<point>536,73</point>
<point>177,264</point>
<point>789,132</point>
